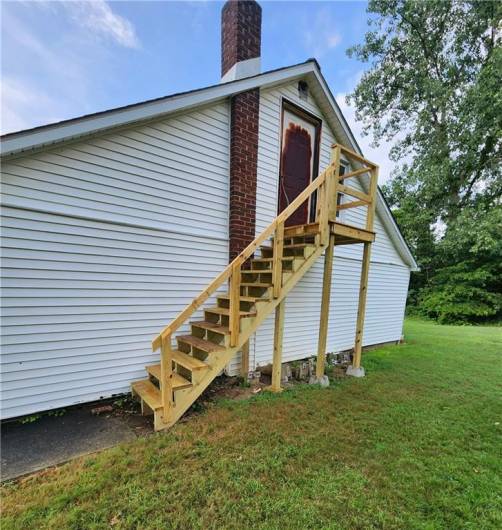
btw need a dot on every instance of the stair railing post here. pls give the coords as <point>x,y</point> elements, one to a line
<point>334,182</point>
<point>277,260</point>
<point>234,311</point>
<point>166,375</point>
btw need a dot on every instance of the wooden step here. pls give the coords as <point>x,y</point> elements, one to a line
<point>211,326</point>
<point>291,245</point>
<point>200,344</point>
<point>226,312</point>
<point>268,260</point>
<point>261,271</point>
<point>251,299</point>
<point>256,284</point>
<point>148,392</point>
<point>301,230</point>
<point>189,362</point>
<point>178,381</point>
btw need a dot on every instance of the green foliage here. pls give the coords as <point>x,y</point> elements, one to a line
<point>434,86</point>
<point>459,294</point>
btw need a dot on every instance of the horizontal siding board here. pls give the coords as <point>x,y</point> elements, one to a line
<point>104,242</point>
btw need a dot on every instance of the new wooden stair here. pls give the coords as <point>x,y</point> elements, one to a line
<point>256,287</point>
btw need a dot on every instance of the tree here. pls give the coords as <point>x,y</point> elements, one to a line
<point>434,88</point>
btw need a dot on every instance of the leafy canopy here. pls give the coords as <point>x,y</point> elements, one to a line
<point>434,88</point>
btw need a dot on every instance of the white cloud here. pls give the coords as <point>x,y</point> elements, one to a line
<point>98,17</point>
<point>23,107</point>
<point>320,35</point>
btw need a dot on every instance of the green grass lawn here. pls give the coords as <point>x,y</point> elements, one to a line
<point>415,444</point>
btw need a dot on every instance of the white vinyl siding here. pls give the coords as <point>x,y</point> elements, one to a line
<point>389,276</point>
<point>104,242</point>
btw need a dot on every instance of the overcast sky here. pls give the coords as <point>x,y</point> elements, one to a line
<point>64,59</point>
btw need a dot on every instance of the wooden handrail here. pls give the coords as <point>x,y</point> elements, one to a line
<point>354,155</point>
<point>240,259</point>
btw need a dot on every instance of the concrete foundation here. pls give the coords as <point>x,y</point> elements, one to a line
<point>323,381</point>
<point>355,372</point>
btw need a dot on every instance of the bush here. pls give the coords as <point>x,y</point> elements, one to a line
<point>460,294</point>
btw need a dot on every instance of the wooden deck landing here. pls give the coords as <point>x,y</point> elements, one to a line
<point>345,234</point>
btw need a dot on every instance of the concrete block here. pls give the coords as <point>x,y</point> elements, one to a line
<point>323,381</point>
<point>355,372</point>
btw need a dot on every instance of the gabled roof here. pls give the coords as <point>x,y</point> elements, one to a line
<point>47,135</point>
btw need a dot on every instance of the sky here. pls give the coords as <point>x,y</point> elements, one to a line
<point>65,59</point>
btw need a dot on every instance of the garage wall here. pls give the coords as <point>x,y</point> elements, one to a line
<point>104,242</point>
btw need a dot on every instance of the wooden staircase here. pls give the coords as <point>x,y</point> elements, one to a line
<point>256,287</point>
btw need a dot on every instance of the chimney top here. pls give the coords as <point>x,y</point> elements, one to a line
<point>240,39</point>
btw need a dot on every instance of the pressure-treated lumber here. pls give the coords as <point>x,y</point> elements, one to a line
<point>245,360</point>
<point>355,173</point>
<point>353,155</point>
<point>166,374</point>
<point>277,260</point>
<point>239,260</point>
<point>354,193</point>
<point>352,204</point>
<point>325,301</point>
<point>361,306</point>
<point>183,374</point>
<point>358,235</point>
<point>275,385</point>
<point>234,316</point>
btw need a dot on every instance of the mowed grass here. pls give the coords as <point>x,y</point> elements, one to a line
<point>416,444</point>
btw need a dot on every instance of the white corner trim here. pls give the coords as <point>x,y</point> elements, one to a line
<point>242,69</point>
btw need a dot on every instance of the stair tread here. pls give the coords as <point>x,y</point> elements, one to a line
<point>226,296</point>
<point>225,311</point>
<point>245,298</point>
<point>178,381</point>
<point>188,361</point>
<point>148,392</point>
<point>268,260</point>
<point>256,284</point>
<point>200,344</point>
<point>211,326</point>
<point>263,271</point>
<point>291,245</point>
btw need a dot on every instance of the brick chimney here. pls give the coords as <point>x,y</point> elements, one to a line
<point>240,39</point>
<point>240,57</point>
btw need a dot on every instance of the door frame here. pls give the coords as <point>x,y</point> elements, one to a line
<point>314,120</point>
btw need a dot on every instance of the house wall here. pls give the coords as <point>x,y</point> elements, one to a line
<point>389,275</point>
<point>104,242</point>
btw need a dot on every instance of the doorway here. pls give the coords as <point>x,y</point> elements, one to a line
<point>299,162</point>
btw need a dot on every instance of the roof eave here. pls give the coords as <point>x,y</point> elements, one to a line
<point>38,137</point>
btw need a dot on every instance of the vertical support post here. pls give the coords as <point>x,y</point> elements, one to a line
<point>277,260</point>
<point>334,181</point>
<point>235,304</point>
<point>166,375</point>
<point>325,301</point>
<point>278,333</point>
<point>370,218</point>
<point>361,308</point>
<point>363,285</point>
<point>245,361</point>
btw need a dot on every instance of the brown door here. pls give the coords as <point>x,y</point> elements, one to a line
<point>299,159</point>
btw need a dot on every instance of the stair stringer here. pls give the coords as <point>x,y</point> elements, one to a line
<point>185,398</point>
